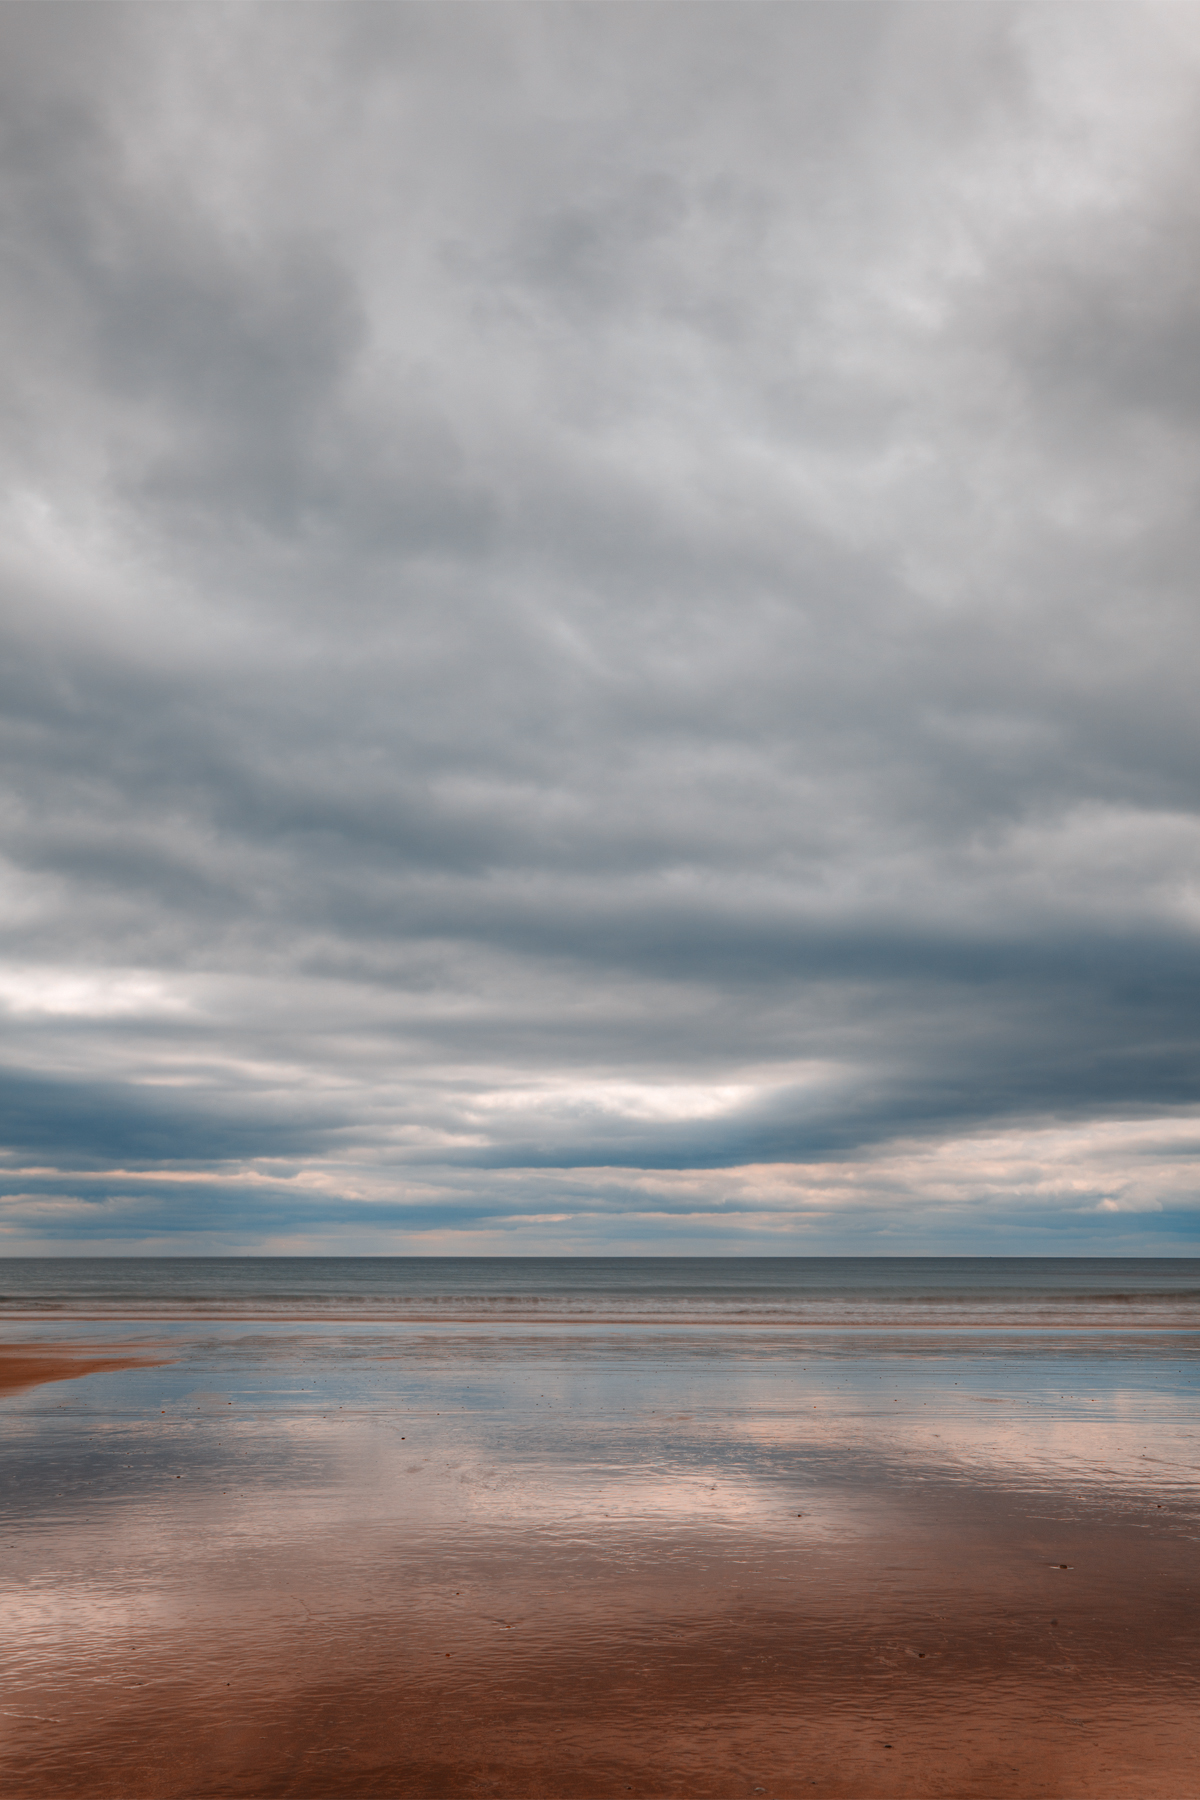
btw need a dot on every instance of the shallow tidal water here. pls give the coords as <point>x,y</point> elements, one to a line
<point>650,1527</point>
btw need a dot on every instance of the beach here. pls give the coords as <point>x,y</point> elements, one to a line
<point>26,1366</point>
<point>300,1555</point>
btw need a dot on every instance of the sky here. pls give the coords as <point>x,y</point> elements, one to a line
<point>599,629</point>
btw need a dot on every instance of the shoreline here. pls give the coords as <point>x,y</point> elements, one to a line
<point>608,1322</point>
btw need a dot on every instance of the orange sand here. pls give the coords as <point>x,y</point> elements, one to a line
<point>25,1366</point>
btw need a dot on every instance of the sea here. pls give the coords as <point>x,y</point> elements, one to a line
<point>557,1527</point>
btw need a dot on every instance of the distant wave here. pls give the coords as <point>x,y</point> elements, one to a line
<point>843,1293</point>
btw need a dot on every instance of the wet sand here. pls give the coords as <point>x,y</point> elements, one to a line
<point>356,1568</point>
<point>655,1680</point>
<point>26,1366</point>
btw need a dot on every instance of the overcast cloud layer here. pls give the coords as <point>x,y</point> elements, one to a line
<point>600,631</point>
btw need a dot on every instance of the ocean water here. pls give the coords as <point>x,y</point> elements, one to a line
<point>788,1290</point>
<point>542,1527</point>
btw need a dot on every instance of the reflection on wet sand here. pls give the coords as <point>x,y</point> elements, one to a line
<point>697,1669</point>
<point>367,1565</point>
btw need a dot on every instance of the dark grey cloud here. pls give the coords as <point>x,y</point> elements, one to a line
<point>599,625</point>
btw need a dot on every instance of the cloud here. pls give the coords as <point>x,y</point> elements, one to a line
<point>597,597</point>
